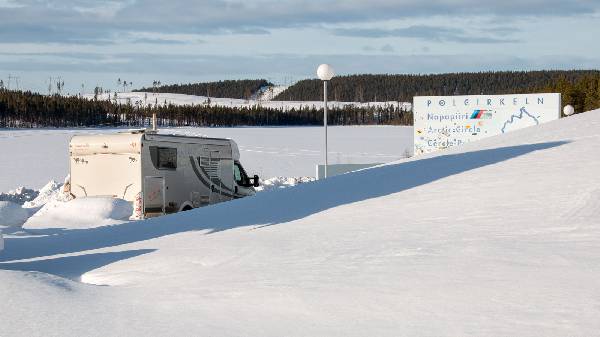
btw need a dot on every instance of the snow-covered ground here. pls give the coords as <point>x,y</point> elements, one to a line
<point>268,93</point>
<point>34,157</point>
<point>148,98</point>
<point>499,237</point>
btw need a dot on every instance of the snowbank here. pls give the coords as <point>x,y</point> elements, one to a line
<point>19,195</point>
<point>51,208</point>
<point>80,213</point>
<point>18,205</point>
<point>281,182</point>
<point>51,191</point>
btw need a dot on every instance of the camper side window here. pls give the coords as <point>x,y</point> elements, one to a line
<point>163,157</point>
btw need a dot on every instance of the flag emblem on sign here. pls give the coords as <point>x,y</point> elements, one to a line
<point>481,114</point>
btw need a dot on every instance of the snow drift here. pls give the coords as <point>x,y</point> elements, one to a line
<point>51,208</point>
<point>276,183</point>
<point>80,213</point>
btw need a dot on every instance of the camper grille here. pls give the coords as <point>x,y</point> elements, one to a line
<point>210,166</point>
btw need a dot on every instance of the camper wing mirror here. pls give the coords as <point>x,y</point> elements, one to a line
<point>256,179</point>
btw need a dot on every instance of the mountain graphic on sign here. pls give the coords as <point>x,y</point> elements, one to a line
<point>520,120</point>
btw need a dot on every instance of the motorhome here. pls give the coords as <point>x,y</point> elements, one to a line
<point>159,173</point>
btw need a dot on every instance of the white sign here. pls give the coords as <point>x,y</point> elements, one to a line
<point>444,121</point>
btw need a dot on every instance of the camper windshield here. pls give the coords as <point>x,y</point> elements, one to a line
<point>240,175</point>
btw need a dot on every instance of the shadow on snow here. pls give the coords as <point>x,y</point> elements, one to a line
<point>264,209</point>
<point>72,267</point>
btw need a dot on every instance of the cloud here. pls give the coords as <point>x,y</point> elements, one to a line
<point>9,4</point>
<point>423,32</point>
<point>38,33</point>
<point>387,48</point>
<point>141,68</point>
<point>147,40</point>
<point>65,20</point>
<point>221,66</point>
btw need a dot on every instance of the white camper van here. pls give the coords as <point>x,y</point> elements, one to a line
<point>159,173</point>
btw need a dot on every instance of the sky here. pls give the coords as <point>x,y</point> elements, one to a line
<point>94,43</point>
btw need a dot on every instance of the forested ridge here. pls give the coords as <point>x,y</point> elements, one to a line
<point>30,110</point>
<point>242,89</point>
<point>27,109</point>
<point>372,88</point>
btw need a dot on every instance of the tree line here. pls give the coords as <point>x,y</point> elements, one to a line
<point>373,88</point>
<point>242,89</point>
<point>21,109</point>
<point>582,93</point>
<point>27,109</point>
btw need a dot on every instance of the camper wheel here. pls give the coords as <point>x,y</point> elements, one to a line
<point>186,207</point>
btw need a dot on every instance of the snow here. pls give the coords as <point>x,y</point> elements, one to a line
<point>50,192</point>
<point>38,156</point>
<point>35,156</point>
<point>149,98</point>
<point>80,213</point>
<point>498,237</point>
<point>20,195</point>
<point>51,208</point>
<point>268,93</point>
<point>281,182</point>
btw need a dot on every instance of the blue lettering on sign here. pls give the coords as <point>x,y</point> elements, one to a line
<point>487,101</point>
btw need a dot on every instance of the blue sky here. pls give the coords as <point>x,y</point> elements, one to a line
<point>95,42</point>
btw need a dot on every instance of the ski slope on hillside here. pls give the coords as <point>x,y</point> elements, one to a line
<point>499,237</point>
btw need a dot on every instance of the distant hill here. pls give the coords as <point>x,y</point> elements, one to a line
<point>243,89</point>
<point>368,87</point>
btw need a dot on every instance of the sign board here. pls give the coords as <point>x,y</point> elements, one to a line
<point>445,121</point>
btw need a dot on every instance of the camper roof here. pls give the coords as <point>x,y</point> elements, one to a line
<point>130,142</point>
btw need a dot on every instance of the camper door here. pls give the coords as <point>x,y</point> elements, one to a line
<point>227,183</point>
<point>154,194</point>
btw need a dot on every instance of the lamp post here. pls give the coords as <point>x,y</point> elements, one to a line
<point>568,110</point>
<point>325,73</point>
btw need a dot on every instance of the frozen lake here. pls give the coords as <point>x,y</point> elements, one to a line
<point>31,158</point>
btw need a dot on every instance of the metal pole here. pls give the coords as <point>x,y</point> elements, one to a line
<point>325,123</point>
